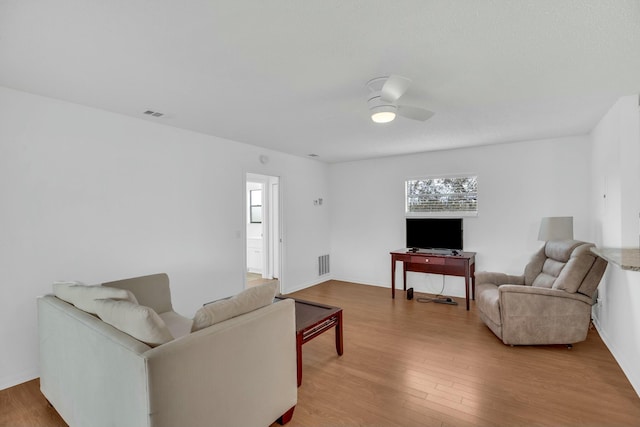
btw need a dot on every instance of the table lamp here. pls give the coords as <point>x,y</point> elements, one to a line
<point>556,228</point>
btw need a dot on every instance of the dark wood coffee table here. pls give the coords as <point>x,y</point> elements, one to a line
<point>312,319</point>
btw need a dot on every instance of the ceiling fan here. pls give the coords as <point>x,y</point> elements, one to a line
<point>385,92</point>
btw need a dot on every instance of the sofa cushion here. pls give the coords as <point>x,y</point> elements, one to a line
<point>139,321</point>
<point>178,325</point>
<point>152,290</point>
<point>244,302</point>
<point>83,296</point>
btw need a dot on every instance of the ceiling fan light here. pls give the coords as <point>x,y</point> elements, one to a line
<point>383,116</point>
<point>383,113</point>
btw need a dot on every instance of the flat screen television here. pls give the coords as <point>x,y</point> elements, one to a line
<point>434,233</point>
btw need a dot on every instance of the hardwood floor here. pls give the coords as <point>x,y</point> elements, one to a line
<point>24,406</point>
<point>407,363</point>
<point>254,279</point>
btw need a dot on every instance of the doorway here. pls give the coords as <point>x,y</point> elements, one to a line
<point>263,242</point>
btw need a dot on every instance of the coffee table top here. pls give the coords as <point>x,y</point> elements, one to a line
<point>309,313</point>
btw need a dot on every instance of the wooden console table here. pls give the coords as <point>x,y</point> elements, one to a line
<point>463,264</point>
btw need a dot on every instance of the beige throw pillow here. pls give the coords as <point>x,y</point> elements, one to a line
<point>244,302</point>
<point>141,322</point>
<point>83,296</point>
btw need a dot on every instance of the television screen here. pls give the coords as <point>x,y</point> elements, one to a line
<point>434,233</point>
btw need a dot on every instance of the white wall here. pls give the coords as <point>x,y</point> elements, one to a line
<point>94,196</point>
<point>616,175</point>
<point>518,184</point>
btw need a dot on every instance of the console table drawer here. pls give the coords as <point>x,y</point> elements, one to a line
<point>457,262</point>
<point>427,260</point>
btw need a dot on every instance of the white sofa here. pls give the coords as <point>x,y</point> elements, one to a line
<point>240,372</point>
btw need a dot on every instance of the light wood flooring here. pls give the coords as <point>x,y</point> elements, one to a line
<point>407,363</point>
<point>254,279</point>
<point>24,406</point>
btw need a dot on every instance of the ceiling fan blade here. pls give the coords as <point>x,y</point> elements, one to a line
<point>394,88</point>
<point>414,113</point>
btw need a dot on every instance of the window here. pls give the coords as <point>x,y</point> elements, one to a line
<point>255,206</point>
<point>442,196</point>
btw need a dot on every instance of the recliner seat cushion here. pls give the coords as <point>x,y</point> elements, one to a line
<point>544,281</point>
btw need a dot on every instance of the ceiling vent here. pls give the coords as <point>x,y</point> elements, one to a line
<point>153,113</point>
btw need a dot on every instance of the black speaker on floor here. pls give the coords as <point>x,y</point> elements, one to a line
<point>410,293</point>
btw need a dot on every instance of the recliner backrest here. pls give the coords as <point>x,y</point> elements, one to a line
<point>567,265</point>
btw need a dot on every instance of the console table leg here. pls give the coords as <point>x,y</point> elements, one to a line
<point>466,288</point>
<point>473,281</point>
<point>393,277</point>
<point>404,275</point>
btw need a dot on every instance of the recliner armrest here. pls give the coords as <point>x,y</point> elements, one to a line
<point>498,278</point>
<point>533,315</point>
<point>544,292</point>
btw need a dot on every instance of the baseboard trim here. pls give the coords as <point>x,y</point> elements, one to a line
<point>22,377</point>
<point>307,285</point>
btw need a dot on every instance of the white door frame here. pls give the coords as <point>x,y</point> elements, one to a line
<point>272,246</point>
<point>274,230</point>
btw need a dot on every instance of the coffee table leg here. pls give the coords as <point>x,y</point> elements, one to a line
<point>299,356</point>
<point>339,348</point>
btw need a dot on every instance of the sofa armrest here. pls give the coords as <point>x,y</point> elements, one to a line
<point>498,278</point>
<point>239,372</point>
<point>88,368</point>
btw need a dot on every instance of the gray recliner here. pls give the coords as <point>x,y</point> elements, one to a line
<point>550,303</point>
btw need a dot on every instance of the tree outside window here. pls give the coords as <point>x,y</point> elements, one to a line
<point>442,196</point>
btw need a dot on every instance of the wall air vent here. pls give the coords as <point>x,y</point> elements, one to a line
<point>323,265</point>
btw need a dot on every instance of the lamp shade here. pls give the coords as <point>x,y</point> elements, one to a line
<point>556,228</point>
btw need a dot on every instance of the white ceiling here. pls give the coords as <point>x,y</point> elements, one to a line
<point>290,75</point>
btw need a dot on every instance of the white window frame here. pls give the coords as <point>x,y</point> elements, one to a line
<point>440,214</point>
